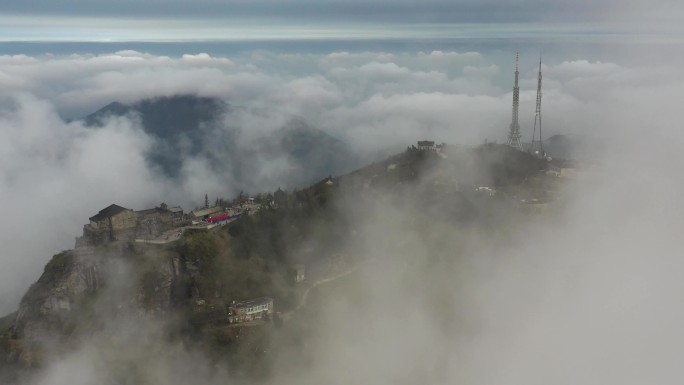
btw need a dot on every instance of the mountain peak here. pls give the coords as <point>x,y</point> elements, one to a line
<point>187,126</point>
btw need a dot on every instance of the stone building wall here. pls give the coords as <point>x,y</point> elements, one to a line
<point>153,222</point>
<point>119,226</point>
<point>124,223</point>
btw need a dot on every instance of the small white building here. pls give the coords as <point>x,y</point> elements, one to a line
<point>427,145</point>
<point>250,310</point>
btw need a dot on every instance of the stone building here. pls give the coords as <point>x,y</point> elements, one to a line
<point>250,310</point>
<point>116,223</point>
<point>153,222</point>
<point>110,224</point>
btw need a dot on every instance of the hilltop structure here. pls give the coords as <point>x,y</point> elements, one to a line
<point>112,222</point>
<point>152,222</point>
<point>158,225</point>
<point>514,128</point>
<point>429,145</point>
<point>426,145</point>
<point>117,223</point>
<point>537,118</point>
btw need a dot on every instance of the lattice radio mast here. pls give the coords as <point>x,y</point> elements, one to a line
<point>538,116</point>
<point>514,129</point>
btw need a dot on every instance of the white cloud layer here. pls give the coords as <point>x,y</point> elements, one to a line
<point>55,174</point>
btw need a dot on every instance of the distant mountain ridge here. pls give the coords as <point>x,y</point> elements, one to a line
<point>179,123</point>
<point>311,148</point>
<point>186,126</point>
<point>166,116</point>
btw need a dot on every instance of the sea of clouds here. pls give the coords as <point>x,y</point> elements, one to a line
<point>56,174</point>
<point>596,300</point>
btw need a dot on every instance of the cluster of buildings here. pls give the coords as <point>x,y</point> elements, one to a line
<point>117,223</point>
<point>219,214</point>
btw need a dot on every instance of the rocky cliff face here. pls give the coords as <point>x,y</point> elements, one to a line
<point>125,304</point>
<point>67,279</point>
<point>81,290</point>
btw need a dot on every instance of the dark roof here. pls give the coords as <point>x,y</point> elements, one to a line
<point>108,212</point>
<point>428,143</point>
<point>152,211</point>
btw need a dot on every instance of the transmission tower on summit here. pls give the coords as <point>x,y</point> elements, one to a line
<point>514,129</point>
<point>537,144</point>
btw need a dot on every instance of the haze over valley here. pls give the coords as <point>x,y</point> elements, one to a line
<point>333,200</point>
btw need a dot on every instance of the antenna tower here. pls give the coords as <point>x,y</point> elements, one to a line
<point>514,129</point>
<point>538,117</point>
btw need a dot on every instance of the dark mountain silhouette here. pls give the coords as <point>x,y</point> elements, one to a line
<point>166,116</point>
<point>181,124</point>
<point>186,126</point>
<point>309,149</point>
